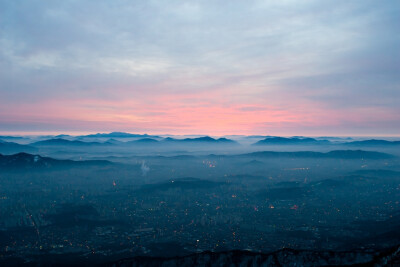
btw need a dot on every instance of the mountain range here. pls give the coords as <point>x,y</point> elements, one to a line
<point>114,138</point>
<point>64,142</point>
<point>291,141</point>
<point>116,135</point>
<point>147,140</point>
<point>24,161</point>
<point>204,139</point>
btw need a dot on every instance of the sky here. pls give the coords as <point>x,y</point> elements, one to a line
<point>200,67</point>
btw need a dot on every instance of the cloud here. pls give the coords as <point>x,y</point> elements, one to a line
<point>144,63</point>
<point>144,168</point>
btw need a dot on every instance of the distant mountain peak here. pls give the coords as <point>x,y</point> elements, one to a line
<point>290,141</point>
<point>65,142</point>
<point>116,135</point>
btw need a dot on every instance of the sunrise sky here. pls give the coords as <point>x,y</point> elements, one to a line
<point>200,67</point>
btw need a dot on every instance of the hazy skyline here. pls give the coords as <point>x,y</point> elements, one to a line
<point>200,67</point>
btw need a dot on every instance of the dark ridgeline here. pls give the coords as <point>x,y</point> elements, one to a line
<point>24,162</point>
<point>144,141</point>
<point>117,135</point>
<point>64,142</point>
<point>291,141</point>
<point>200,140</point>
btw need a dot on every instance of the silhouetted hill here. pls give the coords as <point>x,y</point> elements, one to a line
<point>11,147</point>
<point>335,138</point>
<point>291,141</point>
<point>116,135</point>
<point>373,142</point>
<point>203,140</point>
<point>226,140</point>
<point>114,141</point>
<point>354,154</point>
<point>64,142</point>
<point>144,141</point>
<point>340,154</point>
<point>9,137</point>
<point>24,161</point>
<point>281,258</point>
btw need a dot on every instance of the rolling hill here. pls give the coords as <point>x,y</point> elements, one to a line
<point>11,148</point>
<point>291,141</point>
<point>25,161</point>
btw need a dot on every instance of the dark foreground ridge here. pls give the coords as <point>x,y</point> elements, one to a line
<point>284,257</point>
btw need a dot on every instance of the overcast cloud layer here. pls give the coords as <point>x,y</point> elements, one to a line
<point>201,67</point>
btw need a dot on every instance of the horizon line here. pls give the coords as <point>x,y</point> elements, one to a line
<point>81,133</point>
